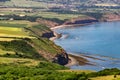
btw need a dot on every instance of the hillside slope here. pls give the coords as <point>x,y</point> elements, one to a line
<point>52,3</point>
<point>90,2</point>
<point>29,40</point>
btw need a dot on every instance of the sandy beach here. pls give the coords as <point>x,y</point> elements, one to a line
<point>68,26</point>
<point>72,62</point>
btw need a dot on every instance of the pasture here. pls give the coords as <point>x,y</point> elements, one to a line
<point>19,61</point>
<point>106,4</point>
<point>3,52</point>
<point>76,71</point>
<point>10,30</point>
<point>58,16</point>
<point>28,3</point>
<point>110,77</point>
<point>6,39</point>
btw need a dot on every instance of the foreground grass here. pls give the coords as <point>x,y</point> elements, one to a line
<point>2,52</point>
<point>46,71</point>
<point>111,77</point>
<point>19,61</point>
<point>76,71</point>
<point>7,39</point>
<point>11,30</point>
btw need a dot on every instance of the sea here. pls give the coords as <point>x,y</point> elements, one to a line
<point>100,41</point>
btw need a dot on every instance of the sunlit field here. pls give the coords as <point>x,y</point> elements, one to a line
<point>9,30</point>
<point>22,61</point>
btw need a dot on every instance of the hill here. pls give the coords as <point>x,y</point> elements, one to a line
<point>82,2</point>
<point>26,53</point>
<point>31,42</point>
<point>59,3</point>
<point>4,0</point>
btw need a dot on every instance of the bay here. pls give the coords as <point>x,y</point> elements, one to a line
<point>101,40</point>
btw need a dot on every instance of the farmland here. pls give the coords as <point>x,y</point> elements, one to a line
<point>19,61</point>
<point>111,77</point>
<point>59,16</point>
<point>10,30</point>
<point>27,3</point>
<point>25,54</point>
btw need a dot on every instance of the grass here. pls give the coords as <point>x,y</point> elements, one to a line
<point>77,71</point>
<point>106,4</point>
<point>2,52</point>
<point>10,29</point>
<point>45,14</point>
<point>47,46</point>
<point>12,32</point>
<point>7,24</point>
<point>59,16</point>
<point>111,77</point>
<point>27,3</point>
<point>7,39</point>
<point>20,61</point>
<point>16,23</point>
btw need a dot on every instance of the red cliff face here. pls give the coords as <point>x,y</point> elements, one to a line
<point>111,17</point>
<point>79,20</point>
<point>47,22</point>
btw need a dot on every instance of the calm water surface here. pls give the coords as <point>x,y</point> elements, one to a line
<point>101,40</point>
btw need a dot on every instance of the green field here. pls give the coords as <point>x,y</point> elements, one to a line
<point>111,77</point>
<point>58,16</point>
<point>9,30</point>
<point>12,32</point>
<point>27,3</point>
<point>7,39</point>
<point>19,61</point>
<point>2,52</point>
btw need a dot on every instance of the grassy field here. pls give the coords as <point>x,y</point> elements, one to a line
<point>12,32</point>
<point>2,52</point>
<point>59,16</point>
<point>17,23</point>
<point>111,77</point>
<point>27,3</point>
<point>7,39</point>
<point>9,30</point>
<point>106,4</point>
<point>19,61</point>
<point>76,71</point>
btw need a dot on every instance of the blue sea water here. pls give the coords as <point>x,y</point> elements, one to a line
<point>101,40</point>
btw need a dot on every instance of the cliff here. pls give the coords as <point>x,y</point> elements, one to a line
<point>48,23</point>
<point>110,17</point>
<point>81,20</point>
<point>46,48</point>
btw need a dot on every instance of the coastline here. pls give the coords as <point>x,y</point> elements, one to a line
<point>71,25</point>
<point>73,59</point>
<point>56,36</point>
<point>80,60</point>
